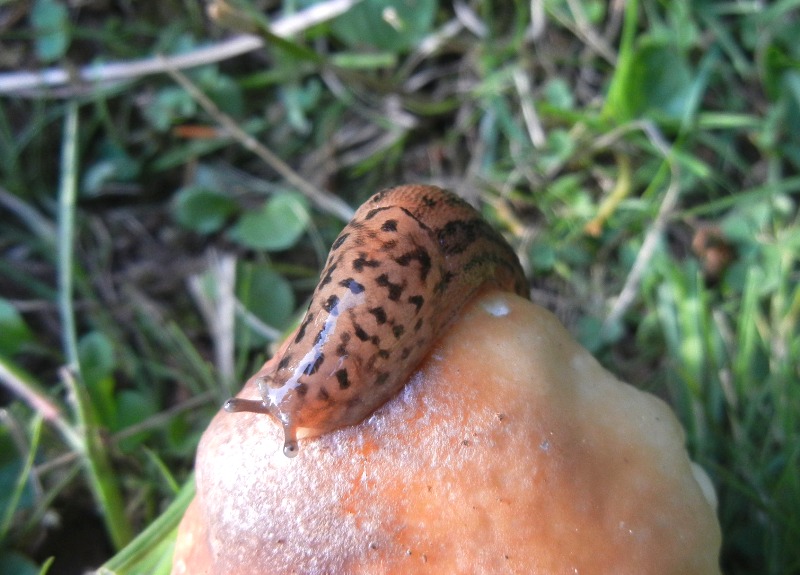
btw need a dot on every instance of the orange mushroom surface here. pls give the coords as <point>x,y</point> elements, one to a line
<point>510,450</point>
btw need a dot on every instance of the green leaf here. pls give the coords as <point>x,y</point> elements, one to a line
<point>542,256</point>
<point>97,367</point>
<point>202,210</point>
<point>593,335</point>
<point>12,464</point>
<point>386,24</point>
<point>96,355</point>
<point>151,551</point>
<point>657,81</point>
<point>559,95</point>
<point>616,105</point>
<point>277,225</point>
<point>170,105</point>
<point>12,562</point>
<point>560,147</point>
<point>222,89</point>
<point>660,81</point>
<point>115,165</point>
<point>50,20</point>
<point>265,294</point>
<point>298,100</point>
<point>14,332</point>
<point>133,406</point>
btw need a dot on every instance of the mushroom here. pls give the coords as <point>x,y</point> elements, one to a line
<point>509,450</point>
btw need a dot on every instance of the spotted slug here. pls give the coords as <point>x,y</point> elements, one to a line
<point>396,276</point>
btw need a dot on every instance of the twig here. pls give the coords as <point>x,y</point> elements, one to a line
<point>538,20</point>
<point>469,19</point>
<point>584,31</point>
<point>20,385</point>
<point>219,311</point>
<point>646,252</point>
<point>33,83</point>
<point>323,200</point>
<point>532,123</point>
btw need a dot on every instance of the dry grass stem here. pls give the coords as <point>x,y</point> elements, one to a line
<point>41,83</point>
<point>326,202</point>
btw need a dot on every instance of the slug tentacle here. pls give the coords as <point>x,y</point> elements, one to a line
<point>396,276</point>
<point>237,404</point>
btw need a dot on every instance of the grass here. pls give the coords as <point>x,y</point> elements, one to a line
<point>644,163</point>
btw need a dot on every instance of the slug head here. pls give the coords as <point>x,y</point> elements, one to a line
<point>268,406</point>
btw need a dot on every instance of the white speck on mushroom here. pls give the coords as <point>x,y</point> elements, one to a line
<point>496,306</point>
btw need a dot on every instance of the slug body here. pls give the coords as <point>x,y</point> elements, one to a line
<point>396,276</point>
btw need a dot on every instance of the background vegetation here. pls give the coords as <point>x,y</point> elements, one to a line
<point>158,230</point>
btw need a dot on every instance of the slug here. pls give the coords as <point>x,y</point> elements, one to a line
<point>396,276</point>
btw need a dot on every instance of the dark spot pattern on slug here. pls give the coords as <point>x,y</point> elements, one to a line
<point>378,196</point>
<point>301,389</point>
<point>312,368</point>
<point>428,201</point>
<point>389,226</point>
<point>301,331</point>
<point>341,349</point>
<point>360,333</point>
<point>381,378</point>
<point>285,360</point>
<point>483,260</point>
<point>442,284</point>
<point>331,303</point>
<point>323,394</point>
<point>422,256</point>
<point>362,262</point>
<point>395,290</point>
<point>418,325</point>
<point>384,353</point>
<point>372,213</point>
<point>398,330</point>
<point>352,285</point>
<point>356,225</point>
<point>417,300</point>
<point>457,236</point>
<point>405,353</point>
<point>342,378</point>
<point>339,241</point>
<point>326,279</point>
<point>379,313</point>
<point>388,246</point>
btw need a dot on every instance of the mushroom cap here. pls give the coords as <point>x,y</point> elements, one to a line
<point>510,450</point>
